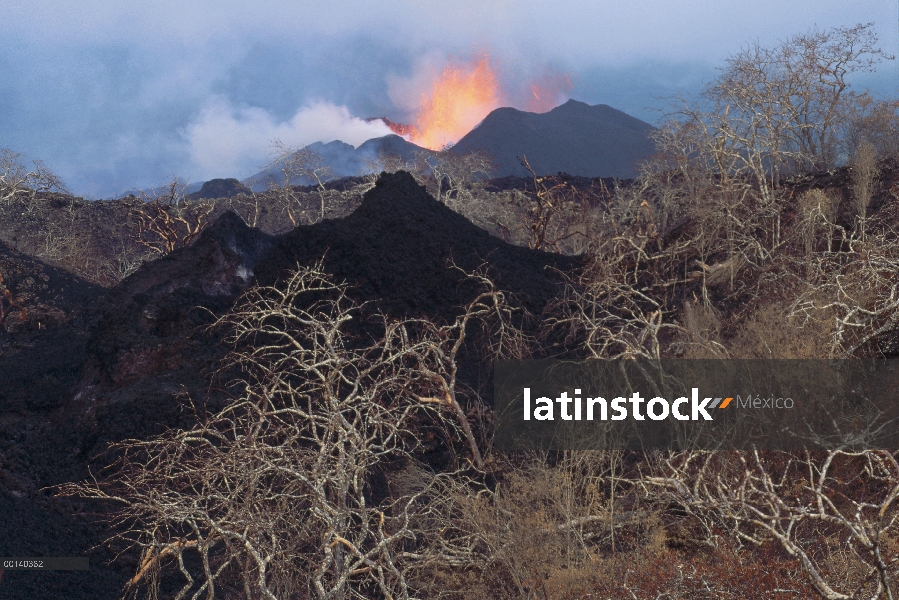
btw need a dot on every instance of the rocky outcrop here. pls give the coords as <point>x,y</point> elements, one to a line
<point>151,345</point>
<point>396,252</point>
<point>220,188</point>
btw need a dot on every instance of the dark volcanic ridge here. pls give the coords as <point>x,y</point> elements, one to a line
<point>574,138</point>
<point>40,354</point>
<point>150,341</point>
<point>396,250</point>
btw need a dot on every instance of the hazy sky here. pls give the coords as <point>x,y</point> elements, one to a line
<point>115,94</point>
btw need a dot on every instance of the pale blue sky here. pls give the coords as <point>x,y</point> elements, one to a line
<point>114,95</point>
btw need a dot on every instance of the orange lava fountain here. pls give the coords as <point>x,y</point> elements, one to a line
<point>459,99</point>
<point>464,93</point>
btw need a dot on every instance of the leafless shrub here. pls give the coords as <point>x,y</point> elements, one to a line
<point>418,167</point>
<point>864,175</point>
<point>18,182</point>
<point>606,315</point>
<point>458,177</point>
<point>702,335</point>
<point>165,221</point>
<point>771,112</point>
<point>391,163</point>
<point>550,211</point>
<point>779,108</point>
<point>621,305</point>
<point>572,525</point>
<point>272,494</point>
<point>247,206</point>
<point>772,331</point>
<point>297,166</point>
<point>735,222</point>
<point>818,210</point>
<point>489,547</point>
<point>851,292</point>
<point>451,178</point>
<point>844,499</point>
<point>872,121</point>
<point>55,242</point>
<point>860,297</point>
<point>127,262</point>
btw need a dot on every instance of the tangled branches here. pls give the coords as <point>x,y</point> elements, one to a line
<point>291,167</point>
<point>841,500</point>
<point>618,305</point>
<point>274,493</point>
<point>19,182</point>
<point>856,294</point>
<point>166,221</point>
<point>552,210</point>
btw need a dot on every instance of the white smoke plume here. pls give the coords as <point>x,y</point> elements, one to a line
<point>228,141</point>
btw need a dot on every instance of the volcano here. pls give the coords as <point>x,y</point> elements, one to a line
<point>343,159</point>
<point>574,138</point>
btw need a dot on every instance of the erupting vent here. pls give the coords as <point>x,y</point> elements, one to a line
<point>464,93</point>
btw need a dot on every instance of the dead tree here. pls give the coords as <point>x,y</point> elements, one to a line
<point>852,295</point>
<point>552,208</point>
<point>456,176</point>
<point>272,494</point>
<point>833,510</point>
<point>607,312</point>
<point>771,112</point>
<point>166,221</point>
<point>297,166</point>
<point>864,178</point>
<point>18,182</point>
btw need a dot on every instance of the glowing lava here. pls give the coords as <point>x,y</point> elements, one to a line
<point>458,100</point>
<point>402,129</point>
<point>464,93</point>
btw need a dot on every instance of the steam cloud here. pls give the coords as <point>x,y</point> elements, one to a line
<point>226,140</point>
